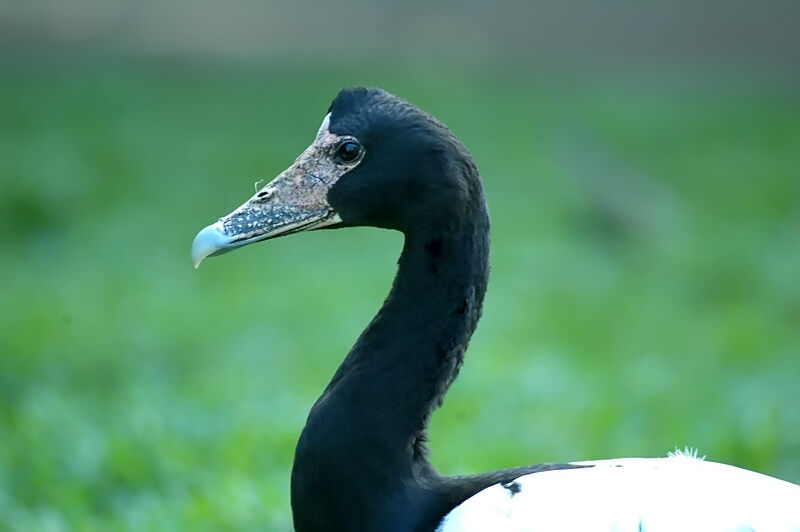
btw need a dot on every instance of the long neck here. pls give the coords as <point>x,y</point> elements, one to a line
<point>364,439</point>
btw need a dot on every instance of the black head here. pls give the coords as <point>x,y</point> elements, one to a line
<point>376,161</point>
<point>415,174</point>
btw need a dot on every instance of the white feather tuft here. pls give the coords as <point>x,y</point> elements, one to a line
<point>686,452</point>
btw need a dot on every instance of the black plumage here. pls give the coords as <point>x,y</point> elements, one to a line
<point>361,462</point>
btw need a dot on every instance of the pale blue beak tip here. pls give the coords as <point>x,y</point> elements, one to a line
<point>208,241</point>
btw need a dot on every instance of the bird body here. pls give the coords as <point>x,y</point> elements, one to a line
<point>678,493</point>
<point>361,463</point>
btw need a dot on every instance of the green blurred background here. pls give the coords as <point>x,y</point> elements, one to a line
<point>641,165</point>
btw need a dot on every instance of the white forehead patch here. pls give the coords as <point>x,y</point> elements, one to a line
<point>324,127</point>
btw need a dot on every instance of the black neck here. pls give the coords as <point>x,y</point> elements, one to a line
<point>363,444</point>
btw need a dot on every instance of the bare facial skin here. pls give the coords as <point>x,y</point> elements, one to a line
<point>294,201</point>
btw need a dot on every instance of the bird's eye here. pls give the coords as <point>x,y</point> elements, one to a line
<point>347,152</point>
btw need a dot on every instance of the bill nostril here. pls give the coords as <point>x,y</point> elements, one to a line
<point>264,194</point>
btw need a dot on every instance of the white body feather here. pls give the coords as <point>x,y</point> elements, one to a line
<point>678,493</point>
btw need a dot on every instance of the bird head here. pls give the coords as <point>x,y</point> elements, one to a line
<point>376,161</point>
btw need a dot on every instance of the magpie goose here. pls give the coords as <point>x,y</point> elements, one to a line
<point>361,463</point>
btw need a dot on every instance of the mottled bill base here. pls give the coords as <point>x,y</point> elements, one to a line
<point>294,201</point>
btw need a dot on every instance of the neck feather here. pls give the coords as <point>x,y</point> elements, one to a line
<point>366,433</point>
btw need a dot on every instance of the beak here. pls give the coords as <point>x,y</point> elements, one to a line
<point>216,239</point>
<point>294,201</point>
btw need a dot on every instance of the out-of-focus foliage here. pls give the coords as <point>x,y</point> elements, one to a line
<point>645,291</point>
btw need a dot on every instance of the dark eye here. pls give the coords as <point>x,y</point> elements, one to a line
<point>347,152</point>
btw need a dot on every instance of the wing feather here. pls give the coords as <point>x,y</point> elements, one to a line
<point>677,493</point>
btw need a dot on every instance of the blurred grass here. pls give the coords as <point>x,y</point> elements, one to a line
<point>645,290</point>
